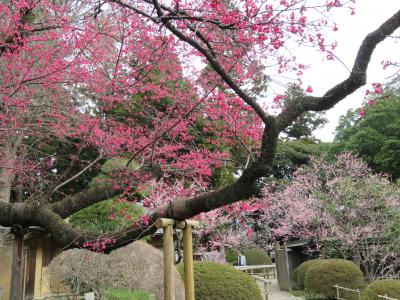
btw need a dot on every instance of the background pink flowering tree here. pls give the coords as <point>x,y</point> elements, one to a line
<point>85,83</point>
<point>345,209</point>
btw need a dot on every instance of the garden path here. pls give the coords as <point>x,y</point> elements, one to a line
<point>277,294</point>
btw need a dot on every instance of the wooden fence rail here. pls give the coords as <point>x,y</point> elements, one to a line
<point>255,270</point>
<point>338,288</point>
<point>386,297</point>
<point>61,296</point>
<point>267,285</point>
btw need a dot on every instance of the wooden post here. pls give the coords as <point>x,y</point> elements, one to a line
<point>168,247</point>
<point>38,269</point>
<point>337,292</point>
<point>16,288</point>
<point>187,227</point>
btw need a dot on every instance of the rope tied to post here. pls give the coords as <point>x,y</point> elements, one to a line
<point>170,211</point>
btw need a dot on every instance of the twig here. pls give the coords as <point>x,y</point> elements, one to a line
<point>79,173</point>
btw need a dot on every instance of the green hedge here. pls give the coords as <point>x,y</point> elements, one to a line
<point>321,278</point>
<point>388,287</point>
<point>116,294</point>
<point>256,256</point>
<point>300,272</point>
<point>222,282</point>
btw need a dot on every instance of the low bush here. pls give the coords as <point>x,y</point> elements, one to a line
<point>321,278</point>
<point>222,282</point>
<point>256,256</point>
<point>127,295</point>
<point>300,272</point>
<point>388,287</point>
<point>136,267</point>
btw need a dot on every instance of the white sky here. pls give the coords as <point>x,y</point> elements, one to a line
<point>324,74</point>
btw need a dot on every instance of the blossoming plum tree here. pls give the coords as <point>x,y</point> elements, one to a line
<point>84,82</point>
<point>344,208</point>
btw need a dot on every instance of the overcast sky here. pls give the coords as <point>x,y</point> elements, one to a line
<point>324,74</point>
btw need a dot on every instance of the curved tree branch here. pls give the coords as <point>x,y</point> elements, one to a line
<point>66,237</point>
<point>75,203</point>
<point>356,79</point>
<point>243,188</point>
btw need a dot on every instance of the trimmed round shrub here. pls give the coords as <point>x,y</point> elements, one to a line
<point>321,278</point>
<point>222,282</point>
<point>256,256</point>
<point>300,272</point>
<point>231,256</point>
<point>388,287</point>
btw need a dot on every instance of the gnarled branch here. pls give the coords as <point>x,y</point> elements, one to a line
<point>356,79</point>
<point>75,203</point>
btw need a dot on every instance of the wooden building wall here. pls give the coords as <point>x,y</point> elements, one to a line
<point>38,253</point>
<point>5,271</point>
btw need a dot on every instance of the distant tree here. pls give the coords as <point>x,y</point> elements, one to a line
<point>304,125</point>
<point>297,143</point>
<point>291,154</point>
<point>373,133</point>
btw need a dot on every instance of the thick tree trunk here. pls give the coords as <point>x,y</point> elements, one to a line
<point>8,152</point>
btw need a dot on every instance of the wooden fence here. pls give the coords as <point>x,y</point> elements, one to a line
<point>338,288</point>
<point>385,297</point>
<point>263,270</point>
<point>61,296</point>
<point>267,285</point>
<point>260,273</point>
<point>358,293</point>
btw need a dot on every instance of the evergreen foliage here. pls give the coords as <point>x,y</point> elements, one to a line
<point>106,216</point>
<point>308,122</point>
<point>375,137</point>
<point>388,287</point>
<point>300,272</point>
<point>290,155</point>
<point>256,256</point>
<point>222,282</point>
<point>231,256</point>
<point>109,215</point>
<point>321,278</point>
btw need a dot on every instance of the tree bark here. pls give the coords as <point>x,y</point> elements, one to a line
<point>8,152</point>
